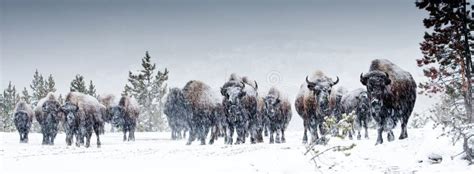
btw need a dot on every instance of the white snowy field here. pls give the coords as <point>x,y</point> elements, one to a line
<point>155,152</point>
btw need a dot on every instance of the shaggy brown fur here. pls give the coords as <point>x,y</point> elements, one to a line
<point>198,95</point>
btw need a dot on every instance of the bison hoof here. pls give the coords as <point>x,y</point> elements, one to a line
<point>366,137</point>
<point>359,137</point>
<point>188,143</point>
<point>390,137</point>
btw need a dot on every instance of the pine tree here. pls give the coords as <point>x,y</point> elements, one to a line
<point>10,98</point>
<point>61,99</point>
<point>92,91</point>
<point>38,88</point>
<point>446,52</point>
<point>149,90</point>
<point>50,85</point>
<point>25,96</point>
<point>78,84</point>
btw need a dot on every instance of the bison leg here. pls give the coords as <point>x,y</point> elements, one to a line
<point>379,136</point>
<point>124,134</point>
<point>97,134</point>
<point>271,137</point>
<point>283,140</point>
<point>240,136</point>
<point>305,136</point>
<point>403,133</point>
<point>277,137</point>
<point>390,136</point>
<point>230,135</point>
<point>25,138</point>
<point>192,136</point>
<point>366,134</point>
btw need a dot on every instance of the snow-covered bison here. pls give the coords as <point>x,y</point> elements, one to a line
<point>125,116</point>
<point>278,112</point>
<point>177,110</point>
<point>48,114</point>
<point>250,102</point>
<point>23,118</point>
<point>392,96</point>
<point>236,113</point>
<point>312,103</point>
<point>357,102</point>
<point>202,101</point>
<point>83,113</point>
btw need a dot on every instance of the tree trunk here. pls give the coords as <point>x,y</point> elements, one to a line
<point>467,69</point>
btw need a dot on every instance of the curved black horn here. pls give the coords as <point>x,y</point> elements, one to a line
<point>363,80</point>
<point>243,85</point>
<point>386,74</point>
<point>256,85</point>
<point>310,83</point>
<point>335,82</point>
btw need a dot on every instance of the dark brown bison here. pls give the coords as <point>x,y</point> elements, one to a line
<point>312,103</point>
<point>23,118</point>
<point>125,116</point>
<point>48,115</point>
<point>202,101</point>
<point>278,113</point>
<point>392,96</point>
<point>177,110</point>
<point>82,114</point>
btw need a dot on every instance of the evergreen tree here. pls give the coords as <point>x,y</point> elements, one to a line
<point>446,52</point>
<point>149,90</point>
<point>61,99</point>
<point>50,84</point>
<point>26,96</point>
<point>78,84</point>
<point>10,98</point>
<point>91,91</point>
<point>38,88</point>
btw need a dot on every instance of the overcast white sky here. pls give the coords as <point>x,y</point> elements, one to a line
<point>207,40</point>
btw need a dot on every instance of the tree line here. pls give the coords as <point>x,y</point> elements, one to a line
<point>147,85</point>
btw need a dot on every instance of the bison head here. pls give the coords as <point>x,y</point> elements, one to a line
<point>233,92</point>
<point>21,120</point>
<point>117,114</point>
<point>70,111</point>
<point>376,83</point>
<point>51,110</point>
<point>321,89</point>
<point>272,103</point>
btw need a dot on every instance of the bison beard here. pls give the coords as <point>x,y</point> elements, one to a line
<point>392,95</point>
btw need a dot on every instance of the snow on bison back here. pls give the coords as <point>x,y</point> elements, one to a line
<point>392,96</point>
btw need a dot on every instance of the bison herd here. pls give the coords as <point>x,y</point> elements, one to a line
<point>237,111</point>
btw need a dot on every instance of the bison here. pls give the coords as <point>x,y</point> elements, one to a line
<point>356,102</point>
<point>250,102</point>
<point>83,113</point>
<point>202,101</point>
<point>278,113</point>
<point>312,103</point>
<point>177,110</point>
<point>48,115</point>
<point>23,118</point>
<point>392,96</point>
<point>125,116</point>
<point>236,113</point>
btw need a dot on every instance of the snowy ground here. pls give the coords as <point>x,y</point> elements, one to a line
<point>154,152</point>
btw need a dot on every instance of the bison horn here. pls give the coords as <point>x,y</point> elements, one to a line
<point>310,83</point>
<point>335,82</point>
<point>243,85</point>
<point>387,81</point>
<point>363,80</point>
<point>256,85</point>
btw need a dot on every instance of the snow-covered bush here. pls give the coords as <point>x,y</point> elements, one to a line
<point>450,115</point>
